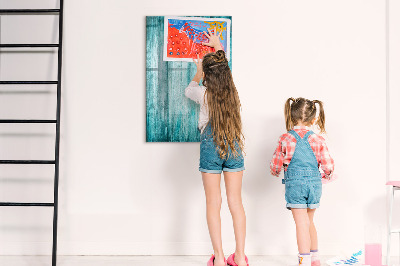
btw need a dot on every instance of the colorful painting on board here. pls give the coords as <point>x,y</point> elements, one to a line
<point>183,37</point>
<point>170,116</point>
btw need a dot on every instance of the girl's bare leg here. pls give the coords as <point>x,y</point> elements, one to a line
<point>302,221</point>
<point>233,183</point>
<point>212,188</point>
<point>313,230</point>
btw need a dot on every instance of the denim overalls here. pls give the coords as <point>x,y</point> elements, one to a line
<point>302,181</point>
<point>211,162</point>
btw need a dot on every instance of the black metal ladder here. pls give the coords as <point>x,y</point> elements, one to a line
<point>57,82</point>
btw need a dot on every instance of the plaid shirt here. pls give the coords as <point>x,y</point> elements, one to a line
<point>287,144</point>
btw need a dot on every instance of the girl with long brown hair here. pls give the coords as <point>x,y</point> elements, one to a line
<point>301,153</point>
<point>221,147</point>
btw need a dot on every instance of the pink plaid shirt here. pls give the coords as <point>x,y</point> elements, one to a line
<point>287,144</point>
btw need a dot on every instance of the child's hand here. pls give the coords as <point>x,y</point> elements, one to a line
<point>213,39</point>
<point>273,173</point>
<point>326,180</point>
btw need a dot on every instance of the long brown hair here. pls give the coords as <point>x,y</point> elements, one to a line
<point>303,110</point>
<point>223,104</point>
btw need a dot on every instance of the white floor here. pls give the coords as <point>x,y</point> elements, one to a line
<point>136,260</point>
<point>143,260</point>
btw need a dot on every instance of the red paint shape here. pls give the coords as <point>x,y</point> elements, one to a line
<point>179,41</point>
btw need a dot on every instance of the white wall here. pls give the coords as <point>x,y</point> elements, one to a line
<point>394,110</point>
<point>121,195</point>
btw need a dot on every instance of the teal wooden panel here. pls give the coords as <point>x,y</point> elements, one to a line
<point>170,116</point>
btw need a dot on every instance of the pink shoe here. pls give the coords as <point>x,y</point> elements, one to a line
<point>211,261</point>
<point>316,263</point>
<point>231,260</point>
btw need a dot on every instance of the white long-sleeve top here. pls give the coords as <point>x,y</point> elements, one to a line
<point>196,93</point>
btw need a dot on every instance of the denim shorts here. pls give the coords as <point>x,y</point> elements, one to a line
<point>210,160</point>
<point>303,193</point>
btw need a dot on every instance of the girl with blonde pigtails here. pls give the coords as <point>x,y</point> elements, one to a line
<point>302,154</point>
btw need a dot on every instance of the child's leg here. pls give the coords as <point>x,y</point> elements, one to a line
<point>314,239</point>
<point>233,184</point>
<point>313,230</point>
<point>212,188</point>
<point>302,221</point>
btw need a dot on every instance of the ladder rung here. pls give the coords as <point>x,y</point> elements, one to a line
<point>27,161</point>
<point>27,121</point>
<point>29,82</point>
<point>395,231</point>
<point>28,11</point>
<point>33,45</point>
<point>38,204</point>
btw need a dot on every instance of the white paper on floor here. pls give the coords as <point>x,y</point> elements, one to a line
<point>350,258</point>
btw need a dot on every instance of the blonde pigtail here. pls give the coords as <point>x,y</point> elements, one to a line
<point>288,114</point>
<point>321,116</point>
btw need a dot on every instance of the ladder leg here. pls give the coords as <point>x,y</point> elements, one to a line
<point>57,144</point>
<point>389,232</point>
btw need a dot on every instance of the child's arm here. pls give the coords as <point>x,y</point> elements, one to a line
<point>199,72</point>
<point>327,163</point>
<point>194,91</point>
<point>277,159</point>
<point>213,39</point>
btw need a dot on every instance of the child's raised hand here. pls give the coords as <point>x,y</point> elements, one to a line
<point>213,39</point>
